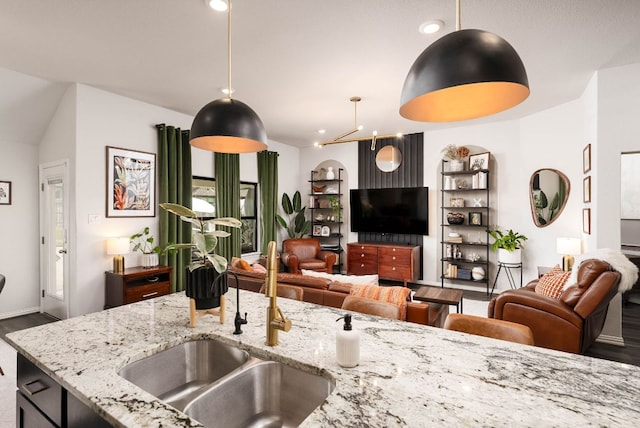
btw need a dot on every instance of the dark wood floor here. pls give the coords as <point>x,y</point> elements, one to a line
<point>10,325</point>
<point>629,354</point>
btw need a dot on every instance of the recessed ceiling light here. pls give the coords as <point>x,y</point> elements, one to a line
<point>219,5</point>
<point>321,131</point>
<point>431,27</point>
<point>226,91</point>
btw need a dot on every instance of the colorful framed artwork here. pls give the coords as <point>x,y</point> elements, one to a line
<point>479,161</point>
<point>586,159</point>
<point>475,218</point>
<point>586,221</point>
<point>586,189</point>
<point>317,230</point>
<point>131,183</point>
<point>5,193</point>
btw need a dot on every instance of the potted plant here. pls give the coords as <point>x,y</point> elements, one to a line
<point>296,224</point>
<point>204,271</point>
<point>143,242</point>
<point>456,156</point>
<point>508,244</point>
<point>334,204</point>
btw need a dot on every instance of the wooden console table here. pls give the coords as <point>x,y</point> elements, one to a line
<point>136,284</point>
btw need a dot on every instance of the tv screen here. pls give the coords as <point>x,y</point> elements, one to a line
<point>398,210</point>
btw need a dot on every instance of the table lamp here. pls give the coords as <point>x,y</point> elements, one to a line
<point>117,247</point>
<point>568,247</point>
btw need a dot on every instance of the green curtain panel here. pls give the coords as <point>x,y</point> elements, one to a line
<point>227,167</point>
<point>268,182</point>
<point>174,185</point>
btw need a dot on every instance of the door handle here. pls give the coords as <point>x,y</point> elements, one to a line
<point>62,251</point>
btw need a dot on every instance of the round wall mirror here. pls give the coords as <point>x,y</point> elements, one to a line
<point>548,194</point>
<point>388,159</point>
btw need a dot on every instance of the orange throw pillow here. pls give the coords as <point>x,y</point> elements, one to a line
<point>552,282</point>
<point>240,264</point>
<point>393,295</point>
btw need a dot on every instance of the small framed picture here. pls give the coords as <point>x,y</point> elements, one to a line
<point>457,202</point>
<point>586,220</point>
<point>317,230</point>
<point>586,189</point>
<point>5,193</point>
<point>479,161</point>
<point>326,231</point>
<point>131,183</point>
<point>586,159</point>
<point>475,218</point>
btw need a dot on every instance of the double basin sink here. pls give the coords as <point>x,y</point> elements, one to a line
<point>221,385</point>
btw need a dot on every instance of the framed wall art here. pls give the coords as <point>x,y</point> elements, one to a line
<point>586,220</point>
<point>586,189</point>
<point>586,159</point>
<point>131,183</point>
<point>5,193</point>
<point>475,218</point>
<point>479,161</point>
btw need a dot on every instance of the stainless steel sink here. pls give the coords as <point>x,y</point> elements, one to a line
<point>176,375</point>
<point>265,394</point>
<point>220,385</point>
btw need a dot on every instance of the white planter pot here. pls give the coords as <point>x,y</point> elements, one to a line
<point>457,165</point>
<point>513,257</point>
<point>150,260</point>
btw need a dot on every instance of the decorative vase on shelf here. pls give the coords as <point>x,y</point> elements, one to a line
<point>477,273</point>
<point>150,260</point>
<point>457,165</point>
<point>330,174</point>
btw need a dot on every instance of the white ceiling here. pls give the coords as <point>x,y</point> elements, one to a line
<point>297,62</point>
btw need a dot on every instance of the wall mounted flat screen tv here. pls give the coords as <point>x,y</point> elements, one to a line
<point>396,210</point>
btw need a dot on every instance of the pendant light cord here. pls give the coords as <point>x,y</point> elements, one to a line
<point>457,15</point>
<point>229,49</point>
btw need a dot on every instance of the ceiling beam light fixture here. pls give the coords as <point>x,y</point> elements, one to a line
<point>464,75</point>
<point>227,125</point>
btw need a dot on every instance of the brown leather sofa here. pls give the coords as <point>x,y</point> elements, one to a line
<point>305,253</point>
<point>326,292</point>
<point>569,324</point>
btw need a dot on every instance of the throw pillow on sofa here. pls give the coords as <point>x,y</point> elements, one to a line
<point>552,283</point>
<point>394,295</point>
<point>240,264</point>
<point>347,279</point>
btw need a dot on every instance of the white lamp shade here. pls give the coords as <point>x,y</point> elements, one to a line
<point>572,246</point>
<point>118,245</point>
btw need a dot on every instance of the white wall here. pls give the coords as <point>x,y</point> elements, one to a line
<point>19,258</point>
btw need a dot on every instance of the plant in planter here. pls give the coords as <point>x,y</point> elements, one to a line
<point>457,155</point>
<point>508,244</point>
<point>203,276</point>
<point>143,242</point>
<point>296,224</point>
<point>334,204</point>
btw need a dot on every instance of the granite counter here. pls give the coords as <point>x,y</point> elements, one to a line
<point>409,375</point>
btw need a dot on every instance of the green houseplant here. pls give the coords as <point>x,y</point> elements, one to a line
<point>295,224</point>
<point>143,242</point>
<point>508,244</point>
<point>204,271</point>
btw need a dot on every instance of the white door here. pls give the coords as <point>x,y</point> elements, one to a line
<point>54,231</point>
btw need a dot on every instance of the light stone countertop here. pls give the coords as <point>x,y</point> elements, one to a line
<point>409,375</point>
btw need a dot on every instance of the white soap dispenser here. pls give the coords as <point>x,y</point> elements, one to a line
<point>347,344</point>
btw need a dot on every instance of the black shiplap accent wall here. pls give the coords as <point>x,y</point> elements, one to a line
<point>409,174</point>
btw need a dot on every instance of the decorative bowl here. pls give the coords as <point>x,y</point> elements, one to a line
<point>455,218</point>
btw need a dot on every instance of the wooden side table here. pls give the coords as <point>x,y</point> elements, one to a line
<point>136,284</point>
<point>447,296</point>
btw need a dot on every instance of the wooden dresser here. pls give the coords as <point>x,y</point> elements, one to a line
<point>393,262</point>
<point>136,284</point>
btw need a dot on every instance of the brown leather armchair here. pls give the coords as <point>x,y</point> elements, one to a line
<point>569,324</point>
<point>305,253</point>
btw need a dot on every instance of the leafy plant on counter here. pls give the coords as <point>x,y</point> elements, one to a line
<point>509,241</point>
<point>204,237</point>
<point>295,224</point>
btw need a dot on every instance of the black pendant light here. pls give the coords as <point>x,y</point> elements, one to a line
<point>464,75</point>
<point>227,125</point>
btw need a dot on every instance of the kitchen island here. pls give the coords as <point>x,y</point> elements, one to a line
<point>409,375</point>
